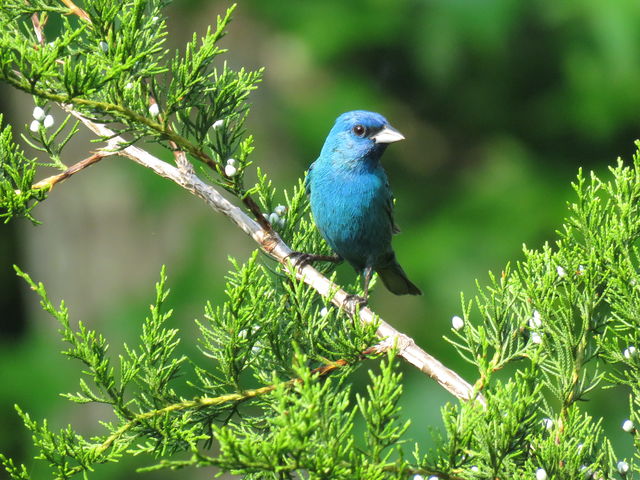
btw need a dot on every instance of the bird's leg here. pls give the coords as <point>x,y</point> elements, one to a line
<point>301,259</point>
<point>367,274</point>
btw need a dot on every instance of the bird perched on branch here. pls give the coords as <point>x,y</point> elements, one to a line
<point>352,203</point>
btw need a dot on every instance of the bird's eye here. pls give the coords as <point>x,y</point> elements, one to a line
<point>359,130</point>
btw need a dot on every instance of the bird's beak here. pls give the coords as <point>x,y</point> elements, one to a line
<point>387,135</point>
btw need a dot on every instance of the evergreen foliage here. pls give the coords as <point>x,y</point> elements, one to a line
<point>16,177</point>
<point>272,389</point>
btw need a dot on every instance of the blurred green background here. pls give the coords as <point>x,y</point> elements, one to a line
<point>501,101</point>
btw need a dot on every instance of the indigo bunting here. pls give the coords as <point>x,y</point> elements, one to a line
<point>351,201</point>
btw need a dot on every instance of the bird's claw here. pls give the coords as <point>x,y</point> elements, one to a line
<point>355,300</point>
<point>300,259</point>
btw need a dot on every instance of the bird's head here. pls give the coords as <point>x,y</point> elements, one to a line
<point>359,137</point>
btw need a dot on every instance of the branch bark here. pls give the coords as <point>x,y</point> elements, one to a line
<point>272,244</point>
<point>49,182</point>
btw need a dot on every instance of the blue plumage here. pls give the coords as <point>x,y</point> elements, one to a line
<point>351,201</point>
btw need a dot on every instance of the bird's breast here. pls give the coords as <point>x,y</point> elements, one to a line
<point>350,212</point>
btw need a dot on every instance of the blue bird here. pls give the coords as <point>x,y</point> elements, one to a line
<point>352,203</point>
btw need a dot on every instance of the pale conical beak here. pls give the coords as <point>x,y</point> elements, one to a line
<point>387,135</point>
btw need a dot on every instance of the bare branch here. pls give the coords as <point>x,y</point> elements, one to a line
<point>271,243</point>
<point>49,182</point>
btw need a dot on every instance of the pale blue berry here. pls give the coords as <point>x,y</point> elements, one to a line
<point>154,110</point>
<point>623,467</point>
<point>457,322</point>
<point>48,121</point>
<point>39,113</point>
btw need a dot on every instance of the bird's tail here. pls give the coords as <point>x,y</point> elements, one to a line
<point>396,280</point>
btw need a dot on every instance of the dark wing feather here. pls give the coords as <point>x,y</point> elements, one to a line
<point>307,179</point>
<point>395,229</point>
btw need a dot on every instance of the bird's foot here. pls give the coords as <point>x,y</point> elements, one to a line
<point>301,259</point>
<point>355,300</point>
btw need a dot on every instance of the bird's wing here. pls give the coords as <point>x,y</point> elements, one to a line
<point>389,207</point>
<point>307,179</point>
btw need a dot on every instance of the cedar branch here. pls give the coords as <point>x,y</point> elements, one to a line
<point>271,243</point>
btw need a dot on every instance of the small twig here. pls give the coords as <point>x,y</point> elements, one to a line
<point>203,402</point>
<point>38,28</point>
<point>271,243</point>
<point>77,10</point>
<point>111,108</point>
<point>572,395</point>
<point>49,182</point>
<point>38,23</point>
<point>179,155</point>
<point>181,159</point>
<point>186,405</point>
